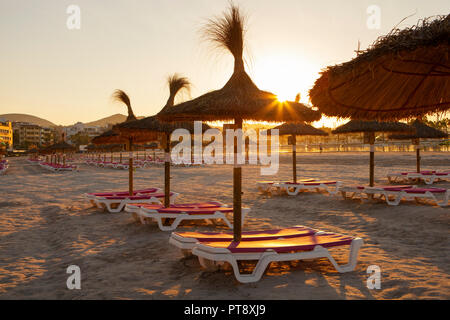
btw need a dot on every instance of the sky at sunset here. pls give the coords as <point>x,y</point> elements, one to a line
<point>67,76</point>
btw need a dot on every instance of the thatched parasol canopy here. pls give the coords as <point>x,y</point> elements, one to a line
<point>110,136</point>
<point>403,74</point>
<point>150,128</point>
<point>354,126</point>
<point>422,131</point>
<point>59,147</point>
<point>369,128</point>
<point>299,129</point>
<point>240,98</point>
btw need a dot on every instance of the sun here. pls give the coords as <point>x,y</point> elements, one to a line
<point>285,76</point>
<point>284,95</point>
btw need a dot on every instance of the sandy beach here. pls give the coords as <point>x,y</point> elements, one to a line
<point>45,226</point>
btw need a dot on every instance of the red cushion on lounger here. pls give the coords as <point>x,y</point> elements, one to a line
<point>297,231</point>
<point>305,243</point>
<point>423,190</point>
<point>311,183</point>
<point>195,210</point>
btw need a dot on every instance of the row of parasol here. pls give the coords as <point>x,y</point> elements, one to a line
<point>403,75</point>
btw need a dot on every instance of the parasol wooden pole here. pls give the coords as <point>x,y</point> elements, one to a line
<point>372,158</point>
<point>237,189</point>
<point>64,159</point>
<point>417,146</point>
<point>120,158</point>
<point>294,157</point>
<point>167,170</point>
<point>130,167</point>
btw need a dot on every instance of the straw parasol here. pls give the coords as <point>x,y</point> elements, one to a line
<point>294,130</point>
<point>369,128</point>
<point>422,131</point>
<point>111,137</point>
<point>240,99</point>
<point>152,129</point>
<point>59,147</point>
<point>403,74</point>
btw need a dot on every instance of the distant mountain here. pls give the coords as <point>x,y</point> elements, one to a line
<point>20,117</point>
<point>114,119</point>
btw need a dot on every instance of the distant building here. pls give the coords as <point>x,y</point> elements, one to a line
<point>27,134</point>
<point>80,127</point>
<point>6,133</point>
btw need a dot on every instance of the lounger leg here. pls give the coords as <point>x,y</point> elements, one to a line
<point>118,209</point>
<point>209,265</point>
<point>352,257</point>
<point>294,192</point>
<point>173,226</point>
<point>442,202</point>
<point>258,271</point>
<point>397,198</point>
<point>331,191</point>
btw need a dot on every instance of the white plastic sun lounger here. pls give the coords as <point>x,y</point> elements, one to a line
<point>115,204</point>
<point>394,194</point>
<point>125,166</point>
<point>429,177</point>
<point>92,196</point>
<point>58,167</point>
<point>180,212</point>
<point>214,254</point>
<point>274,186</point>
<point>393,197</point>
<point>366,192</point>
<point>293,189</point>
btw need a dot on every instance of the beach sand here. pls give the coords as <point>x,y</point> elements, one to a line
<point>45,226</point>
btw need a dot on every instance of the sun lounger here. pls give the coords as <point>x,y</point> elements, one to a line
<point>116,203</point>
<point>293,189</point>
<point>429,177</point>
<point>92,196</point>
<point>58,167</point>
<point>179,212</point>
<point>125,166</point>
<point>309,246</point>
<point>394,194</point>
<point>34,161</point>
<point>186,241</point>
<point>274,186</point>
<point>350,192</point>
